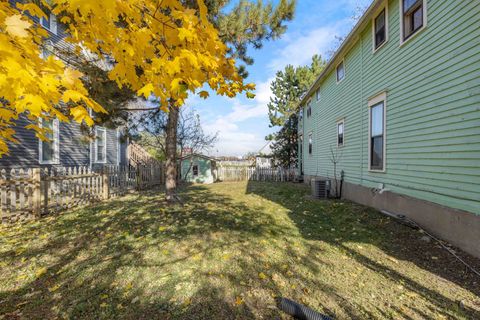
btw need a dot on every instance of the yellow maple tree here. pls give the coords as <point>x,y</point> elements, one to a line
<point>160,48</point>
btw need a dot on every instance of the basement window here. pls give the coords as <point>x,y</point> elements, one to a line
<point>380,29</point>
<point>414,17</point>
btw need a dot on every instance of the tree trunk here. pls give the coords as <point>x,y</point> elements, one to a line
<point>171,148</point>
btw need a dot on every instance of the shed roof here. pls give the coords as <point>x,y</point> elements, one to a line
<point>197,155</point>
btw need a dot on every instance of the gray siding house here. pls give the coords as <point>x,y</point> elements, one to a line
<point>68,145</point>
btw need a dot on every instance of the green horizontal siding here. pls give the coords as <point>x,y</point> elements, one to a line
<point>433,109</point>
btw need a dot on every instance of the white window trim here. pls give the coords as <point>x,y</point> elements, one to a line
<point>400,7</point>
<point>193,171</point>
<point>56,144</point>
<point>385,7</point>
<point>96,147</point>
<point>310,136</point>
<point>344,71</point>
<point>53,23</point>
<point>341,121</point>
<point>317,94</point>
<point>119,154</point>
<point>372,102</point>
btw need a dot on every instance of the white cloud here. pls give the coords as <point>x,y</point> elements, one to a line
<point>300,49</point>
<point>296,49</point>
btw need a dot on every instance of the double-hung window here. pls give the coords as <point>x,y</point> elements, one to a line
<point>301,144</point>
<point>340,71</point>
<point>119,147</point>
<point>380,29</point>
<point>49,149</point>
<point>100,145</point>
<point>377,133</point>
<point>309,109</point>
<point>413,17</point>
<point>195,170</point>
<point>49,23</point>
<point>317,94</point>
<point>340,133</point>
<point>310,143</point>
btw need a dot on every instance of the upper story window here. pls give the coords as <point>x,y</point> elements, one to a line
<point>317,94</point>
<point>49,150</point>
<point>310,143</point>
<point>100,145</point>
<point>195,170</point>
<point>340,130</point>
<point>300,115</point>
<point>309,109</point>
<point>413,17</point>
<point>376,133</point>
<point>340,71</point>
<point>49,23</point>
<point>380,29</point>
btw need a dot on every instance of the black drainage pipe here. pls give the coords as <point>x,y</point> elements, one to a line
<point>299,311</point>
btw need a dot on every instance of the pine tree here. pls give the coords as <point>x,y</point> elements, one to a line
<point>287,88</point>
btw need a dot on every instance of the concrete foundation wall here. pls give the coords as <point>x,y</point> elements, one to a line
<point>459,228</point>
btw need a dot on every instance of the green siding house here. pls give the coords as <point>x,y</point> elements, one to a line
<point>197,168</point>
<point>398,109</point>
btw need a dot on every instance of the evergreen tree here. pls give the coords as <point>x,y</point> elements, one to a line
<point>287,88</point>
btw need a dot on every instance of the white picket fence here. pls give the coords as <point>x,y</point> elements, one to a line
<point>26,193</point>
<point>256,174</point>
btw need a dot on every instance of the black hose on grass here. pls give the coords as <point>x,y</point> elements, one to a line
<point>299,311</point>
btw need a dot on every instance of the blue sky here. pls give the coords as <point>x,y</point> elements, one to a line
<point>242,123</point>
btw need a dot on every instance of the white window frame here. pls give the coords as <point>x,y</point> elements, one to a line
<point>341,121</point>
<point>309,108</point>
<point>53,23</point>
<point>402,30</point>
<point>56,144</point>
<point>344,71</point>
<point>372,102</point>
<point>96,146</point>
<point>385,7</point>
<point>317,94</point>
<point>119,145</point>
<point>310,142</point>
<point>193,171</point>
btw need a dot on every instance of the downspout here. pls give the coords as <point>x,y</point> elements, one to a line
<point>361,112</point>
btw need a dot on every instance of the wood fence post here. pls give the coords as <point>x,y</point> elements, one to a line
<point>37,193</point>
<point>106,184</point>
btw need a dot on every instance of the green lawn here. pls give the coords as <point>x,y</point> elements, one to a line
<point>226,254</point>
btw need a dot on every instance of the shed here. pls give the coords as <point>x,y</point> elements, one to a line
<point>198,168</point>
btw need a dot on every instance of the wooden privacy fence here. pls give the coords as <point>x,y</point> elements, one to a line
<point>37,191</point>
<point>256,174</point>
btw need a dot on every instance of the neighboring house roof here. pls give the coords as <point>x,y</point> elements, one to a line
<point>346,45</point>
<point>197,155</point>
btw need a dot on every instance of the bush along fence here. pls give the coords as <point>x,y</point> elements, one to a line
<point>34,192</point>
<point>256,174</point>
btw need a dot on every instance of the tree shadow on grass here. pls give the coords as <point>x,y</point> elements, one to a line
<point>136,258</point>
<point>392,251</point>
